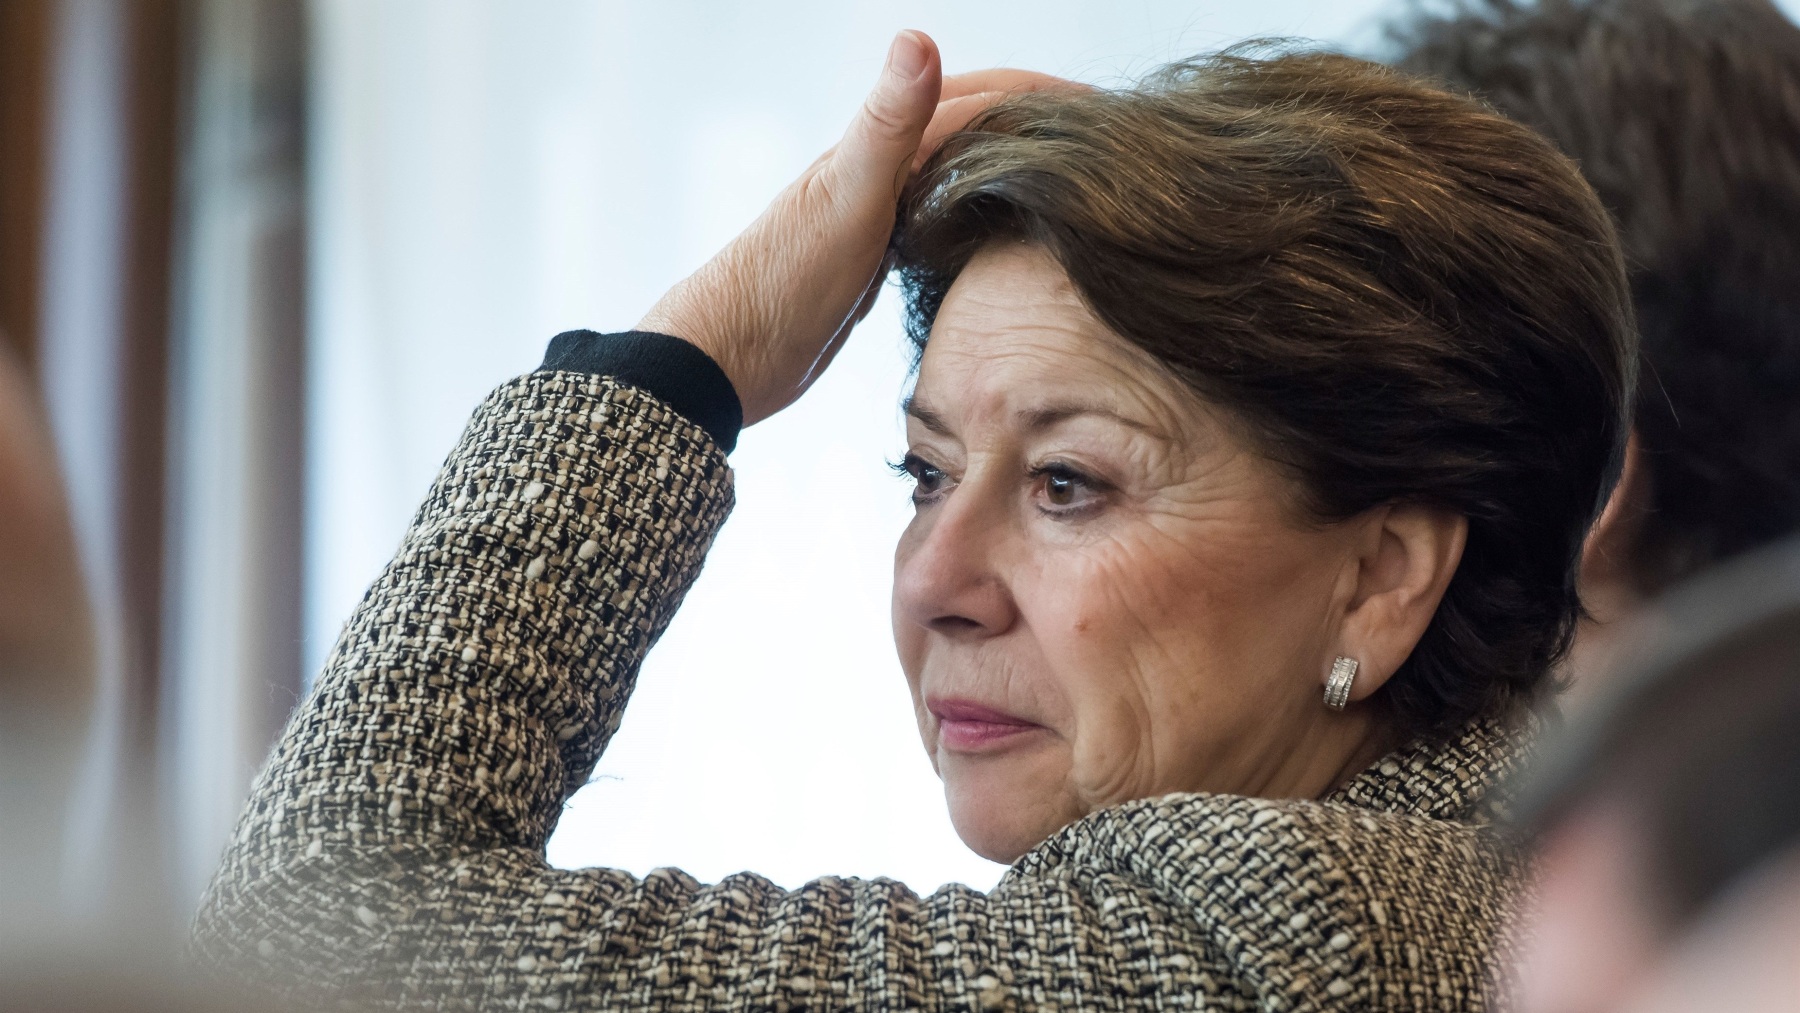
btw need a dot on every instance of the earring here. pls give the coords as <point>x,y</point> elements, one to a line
<point>1337,688</point>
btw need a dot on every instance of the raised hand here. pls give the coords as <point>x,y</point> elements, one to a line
<point>776,304</point>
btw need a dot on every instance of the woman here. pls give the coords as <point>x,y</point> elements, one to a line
<point>1261,416</point>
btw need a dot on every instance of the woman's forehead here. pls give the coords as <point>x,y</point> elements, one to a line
<point>1014,342</point>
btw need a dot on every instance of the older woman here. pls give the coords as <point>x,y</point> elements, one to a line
<point>1259,415</point>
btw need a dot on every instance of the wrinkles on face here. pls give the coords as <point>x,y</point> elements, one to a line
<point>1173,592</point>
<point>1162,633</point>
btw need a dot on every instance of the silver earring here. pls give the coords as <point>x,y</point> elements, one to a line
<point>1337,688</point>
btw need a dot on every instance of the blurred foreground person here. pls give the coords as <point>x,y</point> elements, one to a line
<point>1669,827</point>
<point>56,957</point>
<point>1685,117</point>
<point>46,667</point>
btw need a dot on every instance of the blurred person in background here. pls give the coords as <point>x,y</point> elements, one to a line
<point>1685,117</point>
<point>57,954</point>
<point>47,686</point>
<point>1669,822</point>
<point>1261,410</point>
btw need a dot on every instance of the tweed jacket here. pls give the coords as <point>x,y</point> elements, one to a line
<point>392,853</point>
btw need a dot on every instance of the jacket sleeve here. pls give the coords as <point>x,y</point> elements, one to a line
<point>392,853</point>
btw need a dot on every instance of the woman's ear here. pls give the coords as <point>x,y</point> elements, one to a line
<point>1407,557</point>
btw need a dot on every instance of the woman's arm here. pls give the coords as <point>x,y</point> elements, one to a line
<point>392,855</point>
<point>473,690</point>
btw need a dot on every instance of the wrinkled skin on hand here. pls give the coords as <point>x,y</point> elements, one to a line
<point>773,307</point>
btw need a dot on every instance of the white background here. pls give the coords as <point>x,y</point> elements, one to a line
<point>490,173</point>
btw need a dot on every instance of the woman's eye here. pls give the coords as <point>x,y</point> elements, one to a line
<point>1066,490</point>
<point>928,480</point>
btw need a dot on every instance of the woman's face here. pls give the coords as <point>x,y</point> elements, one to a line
<point>1104,594</point>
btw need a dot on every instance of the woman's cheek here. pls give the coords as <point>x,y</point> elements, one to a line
<point>1138,602</point>
<point>1091,628</point>
<point>1162,620</point>
<point>1108,762</point>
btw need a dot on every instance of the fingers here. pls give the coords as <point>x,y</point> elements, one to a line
<point>878,147</point>
<point>951,116</point>
<point>1003,79</point>
<point>966,96</point>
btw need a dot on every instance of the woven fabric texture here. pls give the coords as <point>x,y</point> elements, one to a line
<point>392,853</point>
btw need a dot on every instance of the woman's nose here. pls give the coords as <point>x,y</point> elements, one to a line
<point>950,569</point>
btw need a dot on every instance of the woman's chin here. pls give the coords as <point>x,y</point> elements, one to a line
<point>999,817</point>
<point>995,839</point>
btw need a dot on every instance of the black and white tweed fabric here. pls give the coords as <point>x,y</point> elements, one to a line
<point>392,854</point>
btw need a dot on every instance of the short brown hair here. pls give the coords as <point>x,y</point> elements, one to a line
<point>1401,295</point>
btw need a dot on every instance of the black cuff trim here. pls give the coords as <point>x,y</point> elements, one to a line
<point>675,372</point>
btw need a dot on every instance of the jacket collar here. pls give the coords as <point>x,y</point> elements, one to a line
<point>1463,777</point>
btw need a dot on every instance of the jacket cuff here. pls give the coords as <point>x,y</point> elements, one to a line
<point>667,368</point>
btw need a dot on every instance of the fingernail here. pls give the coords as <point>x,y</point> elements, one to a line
<point>906,57</point>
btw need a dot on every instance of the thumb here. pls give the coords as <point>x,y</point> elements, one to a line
<point>877,150</point>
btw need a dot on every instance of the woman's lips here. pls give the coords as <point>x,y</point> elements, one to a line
<point>965,726</point>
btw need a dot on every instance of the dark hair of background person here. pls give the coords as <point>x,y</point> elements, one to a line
<point>1699,744</point>
<point>1685,116</point>
<point>1399,295</point>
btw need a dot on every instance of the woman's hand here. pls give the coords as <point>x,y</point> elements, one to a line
<point>966,96</point>
<point>774,306</point>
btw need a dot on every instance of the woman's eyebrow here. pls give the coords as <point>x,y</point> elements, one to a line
<point>1045,416</point>
<point>927,417</point>
<point>1031,419</point>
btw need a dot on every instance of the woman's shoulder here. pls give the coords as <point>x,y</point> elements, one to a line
<point>1453,786</point>
<point>1400,873</point>
<point>1300,895</point>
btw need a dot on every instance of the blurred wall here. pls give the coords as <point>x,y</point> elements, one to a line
<point>100,274</point>
<point>24,57</point>
<point>237,418</point>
